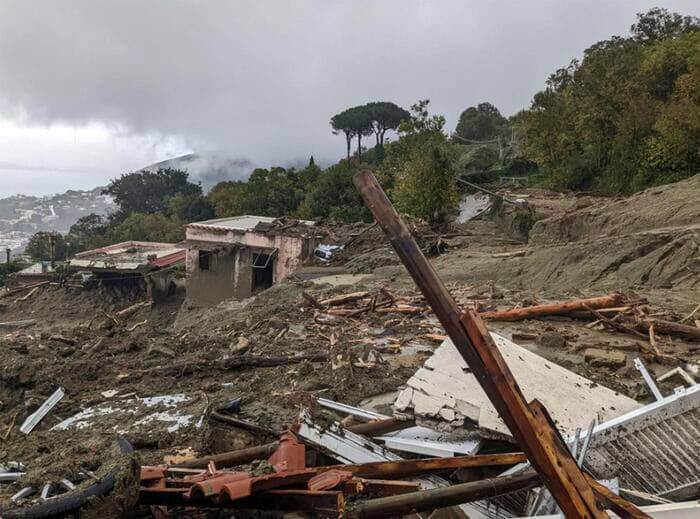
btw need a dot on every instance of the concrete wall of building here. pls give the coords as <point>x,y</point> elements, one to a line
<point>162,285</point>
<point>230,273</point>
<point>213,285</point>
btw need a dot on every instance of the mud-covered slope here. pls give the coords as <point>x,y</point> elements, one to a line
<point>669,206</point>
<point>653,260</point>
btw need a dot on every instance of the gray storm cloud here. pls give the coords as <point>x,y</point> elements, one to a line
<point>261,79</point>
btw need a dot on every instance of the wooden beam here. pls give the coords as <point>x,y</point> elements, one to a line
<point>404,504</point>
<point>617,504</point>
<point>408,468</point>
<point>380,427</point>
<point>474,343</point>
<point>232,458</point>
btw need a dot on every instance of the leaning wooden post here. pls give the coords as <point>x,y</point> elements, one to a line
<point>543,446</point>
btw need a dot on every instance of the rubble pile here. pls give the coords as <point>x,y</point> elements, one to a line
<point>342,392</point>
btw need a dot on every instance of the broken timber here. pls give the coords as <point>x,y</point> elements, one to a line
<point>424,500</point>
<point>542,444</point>
<point>529,312</point>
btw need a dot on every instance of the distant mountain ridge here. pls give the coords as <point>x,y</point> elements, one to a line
<point>21,215</point>
<point>207,168</point>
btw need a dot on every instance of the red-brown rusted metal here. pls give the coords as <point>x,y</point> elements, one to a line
<point>329,480</point>
<point>245,487</point>
<point>213,486</point>
<point>290,455</point>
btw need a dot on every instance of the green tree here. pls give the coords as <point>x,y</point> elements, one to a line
<point>148,191</point>
<point>385,116</point>
<point>148,227</point>
<point>267,192</point>
<point>659,24</point>
<point>480,123</point>
<point>426,185</point>
<point>418,167</point>
<point>274,192</point>
<point>191,207</point>
<point>353,122</point>
<point>343,123</point>
<point>6,269</point>
<point>89,232</point>
<point>625,117</point>
<point>229,198</point>
<point>39,247</point>
<point>334,195</point>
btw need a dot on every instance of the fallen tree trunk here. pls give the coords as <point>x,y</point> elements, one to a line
<point>402,309</point>
<point>126,312</point>
<point>410,468</point>
<point>665,327</point>
<point>608,312</point>
<point>242,456</point>
<point>529,312</point>
<point>379,427</point>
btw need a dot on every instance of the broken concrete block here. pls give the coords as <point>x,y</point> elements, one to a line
<point>598,357</point>
<point>425,405</point>
<point>447,414</point>
<point>404,399</point>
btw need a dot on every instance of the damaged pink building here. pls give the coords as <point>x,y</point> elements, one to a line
<point>239,256</point>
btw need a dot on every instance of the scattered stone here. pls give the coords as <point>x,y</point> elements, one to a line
<point>242,345</point>
<point>551,340</point>
<point>162,350</point>
<point>61,338</point>
<point>598,357</point>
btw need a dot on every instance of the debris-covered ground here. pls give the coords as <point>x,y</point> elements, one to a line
<point>353,329</point>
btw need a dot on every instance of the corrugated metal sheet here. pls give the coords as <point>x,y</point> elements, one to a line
<point>655,449</point>
<point>170,259</point>
<point>244,222</point>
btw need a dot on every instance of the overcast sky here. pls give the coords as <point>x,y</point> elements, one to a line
<point>90,89</point>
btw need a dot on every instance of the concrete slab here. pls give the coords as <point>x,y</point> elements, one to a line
<point>446,383</point>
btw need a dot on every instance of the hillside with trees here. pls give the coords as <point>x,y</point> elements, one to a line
<point>627,116</point>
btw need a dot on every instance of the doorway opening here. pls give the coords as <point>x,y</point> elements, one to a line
<point>263,271</point>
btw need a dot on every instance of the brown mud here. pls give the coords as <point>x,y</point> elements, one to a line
<point>579,246</point>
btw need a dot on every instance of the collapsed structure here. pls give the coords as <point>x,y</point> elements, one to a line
<point>478,406</point>
<point>137,262</point>
<point>239,256</point>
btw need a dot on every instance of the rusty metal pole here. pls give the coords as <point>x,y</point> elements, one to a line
<point>404,504</point>
<point>544,448</point>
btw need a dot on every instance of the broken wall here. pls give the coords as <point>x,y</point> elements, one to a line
<point>230,266</point>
